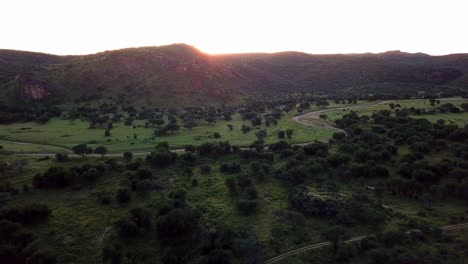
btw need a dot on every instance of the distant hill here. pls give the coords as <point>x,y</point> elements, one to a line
<point>180,75</point>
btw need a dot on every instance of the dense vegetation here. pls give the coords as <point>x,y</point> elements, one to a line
<point>389,174</point>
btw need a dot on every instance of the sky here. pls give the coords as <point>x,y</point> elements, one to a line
<point>66,27</point>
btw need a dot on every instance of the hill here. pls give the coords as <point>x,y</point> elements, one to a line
<point>180,75</point>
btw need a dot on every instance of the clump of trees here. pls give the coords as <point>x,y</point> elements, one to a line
<point>60,177</point>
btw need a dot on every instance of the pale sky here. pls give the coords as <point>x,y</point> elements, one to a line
<point>218,26</point>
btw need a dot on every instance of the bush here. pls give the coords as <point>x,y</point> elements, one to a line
<point>279,146</point>
<point>161,157</point>
<point>230,168</point>
<point>177,223</point>
<point>21,246</point>
<point>54,177</point>
<point>123,195</point>
<point>247,207</point>
<point>128,155</point>
<point>205,169</point>
<point>61,157</point>
<point>104,198</point>
<point>29,214</point>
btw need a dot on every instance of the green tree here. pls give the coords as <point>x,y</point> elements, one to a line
<point>82,149</point>
<point>230,183</point>
<point>211,120</point>
<point>281,134</point>
<point>289,133</point>
<point>101,150</point>
<point>128,155</point>
<point>172,127</point>
<point>189,124</point>
<point>123,195</point>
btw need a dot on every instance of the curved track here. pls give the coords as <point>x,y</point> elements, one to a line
<point>354,239</point>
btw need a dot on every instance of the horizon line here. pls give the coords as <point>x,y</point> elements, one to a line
<point>233,53</point>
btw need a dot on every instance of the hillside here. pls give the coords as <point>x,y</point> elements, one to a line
<point>178,75</point>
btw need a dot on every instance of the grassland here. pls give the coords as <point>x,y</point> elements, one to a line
<point>58,133</point>
<point>458,118</point>
<point>80,225</point>
<point>66,134</point>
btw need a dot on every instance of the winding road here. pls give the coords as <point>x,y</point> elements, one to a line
<point>315,116</point>
<point>354,239</point>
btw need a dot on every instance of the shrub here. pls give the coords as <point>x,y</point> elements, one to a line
<point>177,223</point>
<point>230,168</point>
<point>123,195</point>
<point>128,155</point>
<point>205,169</point>
<point>29,214</point>
<point>247,207</point>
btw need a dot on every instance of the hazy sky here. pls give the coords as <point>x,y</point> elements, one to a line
<point>219,26</point>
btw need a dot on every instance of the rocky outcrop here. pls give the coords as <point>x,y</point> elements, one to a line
<point>35,91</point>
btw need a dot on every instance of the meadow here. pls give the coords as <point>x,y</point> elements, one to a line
<point>68,133</point>
<point>60,135</point>
<point>456,118</point>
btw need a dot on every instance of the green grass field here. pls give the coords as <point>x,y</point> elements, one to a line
<point>66,133</point>
<point>49,137</point>
<point>459,118</point>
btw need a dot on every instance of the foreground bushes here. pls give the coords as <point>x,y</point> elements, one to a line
<point>60,177</point>
<point>29,214</point>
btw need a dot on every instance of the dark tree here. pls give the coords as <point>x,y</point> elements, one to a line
<point>82,149</point>
<point>281,134</point>
<point>127,155</point>
<point>101,150</point>
<point>336,235</point>
<point>123,195</point>
<point>211,120</point>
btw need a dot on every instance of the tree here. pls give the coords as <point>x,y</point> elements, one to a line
<point>159,122</point>
<point>172,127</point>
<point>464,106</point>
<point>289,133</point>
<point>128,155</point>
<point>211,120</point>
<point>205,169</point>
<point>227,117</point>
<point>231,184</point>
<point>336,235</point>
<point>107,133</point>
<point>123,195</point>
<point>229,126</point>
<point>281,134</point>
<point>216,135</point>
<point>82,149</point>
<point>261,134</point>
<point>177,223</point>
<point>101,150</point>
<point>245,129</point>
<point>189,124</point>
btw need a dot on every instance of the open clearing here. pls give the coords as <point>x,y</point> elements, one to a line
<point>60,135</point>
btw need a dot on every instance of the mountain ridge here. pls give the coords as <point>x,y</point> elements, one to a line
<point>181,75</point>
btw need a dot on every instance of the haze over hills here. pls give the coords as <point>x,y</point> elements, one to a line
<point>181,75</point>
